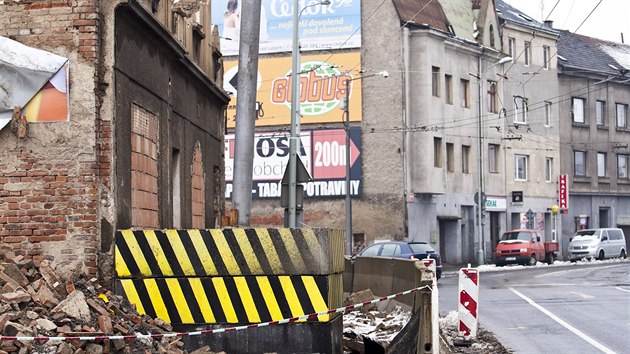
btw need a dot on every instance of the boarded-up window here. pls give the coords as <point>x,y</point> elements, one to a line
<point>144,168</point>
<point>198,190</point>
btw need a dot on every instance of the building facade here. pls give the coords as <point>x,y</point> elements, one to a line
<point>142,143</point>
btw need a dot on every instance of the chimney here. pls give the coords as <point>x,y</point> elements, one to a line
<point>549,23</point>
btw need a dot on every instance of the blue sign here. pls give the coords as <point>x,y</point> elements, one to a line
<point>321,27</point>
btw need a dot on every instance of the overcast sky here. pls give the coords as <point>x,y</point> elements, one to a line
<point>608,21</point>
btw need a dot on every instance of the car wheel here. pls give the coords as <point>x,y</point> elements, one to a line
<point>601,255</point>
<point>500,264</point>
<point>623,254</point>
<point>532,260</point>
<point>551,258</point>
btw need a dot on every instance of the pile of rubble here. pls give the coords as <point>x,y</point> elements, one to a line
<point>35,301</point>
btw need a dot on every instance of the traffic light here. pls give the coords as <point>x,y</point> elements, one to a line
<point>517,196</point>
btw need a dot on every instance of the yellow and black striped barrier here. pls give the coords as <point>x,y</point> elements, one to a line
<point>230,275</point>
<point>240,299</point>
<point>228,252</point>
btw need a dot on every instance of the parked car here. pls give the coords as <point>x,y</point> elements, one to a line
<point>598,243</point>
<point>407,250</point>
<point>524,247</point>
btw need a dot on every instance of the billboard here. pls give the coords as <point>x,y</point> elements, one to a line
<point>322,151</point>
<point>322,82</point>
<point>321,27</point>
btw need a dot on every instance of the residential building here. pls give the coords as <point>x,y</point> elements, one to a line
<point>594,94</point>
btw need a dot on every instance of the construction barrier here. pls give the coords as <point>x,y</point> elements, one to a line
<point>468,302</point>
<point>214,277</point>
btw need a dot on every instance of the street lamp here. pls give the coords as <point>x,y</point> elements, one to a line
<point>480,190</point>
<point>295,111</point>
<point>346,106</point>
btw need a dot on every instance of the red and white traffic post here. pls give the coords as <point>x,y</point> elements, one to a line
<point>468,302</point>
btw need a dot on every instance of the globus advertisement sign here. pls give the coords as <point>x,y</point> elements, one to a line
<point>322,82</point>
<point>323,154</point>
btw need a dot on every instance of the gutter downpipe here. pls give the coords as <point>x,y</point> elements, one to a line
<point>480,252</point>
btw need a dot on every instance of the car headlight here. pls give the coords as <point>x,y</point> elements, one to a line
<point>523,250</point>
<point>592,246</point>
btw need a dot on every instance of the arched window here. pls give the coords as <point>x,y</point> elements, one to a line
<point>491,36</point>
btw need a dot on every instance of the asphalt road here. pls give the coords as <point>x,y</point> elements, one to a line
<point>574,308</point>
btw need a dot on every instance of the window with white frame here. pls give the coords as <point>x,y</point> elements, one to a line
<point>548,169</point>
<point>546,57</point>
<point>601,164</point>
<point>493,158</point>
<point>520,109</point>
<point>600,112</point>
<point>520,167</point>
<point>577,110</point>
<point>511,46</point>
<point>579,163</point>
<point>622,110</point>
<point>622,166</point>
<point>435,81</point>
<point>528,53</point>
<point>547,114</point>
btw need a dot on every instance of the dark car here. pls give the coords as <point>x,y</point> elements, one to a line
<point>407,250</point>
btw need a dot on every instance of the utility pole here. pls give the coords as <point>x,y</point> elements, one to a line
<point>246,109</point>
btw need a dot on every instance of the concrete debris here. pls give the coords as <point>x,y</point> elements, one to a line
<point>34,301</point>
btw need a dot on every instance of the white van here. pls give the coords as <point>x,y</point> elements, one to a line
<point>598,243</point>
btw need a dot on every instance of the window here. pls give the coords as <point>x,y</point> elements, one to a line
<point>622,166</point>
<point>511,46</point>
<point>465,92</point>
<point>492,96</point>
<point>579,163</point>
<point>491,32</point>
<point>547,114</point>
<point>390,249</point>
<point>493,158</point>
<point>622,109</point>
<point>465,159</point>
<point>577,110</point>
<point>528,52</point>
<point>600,112</point>
<point>521,167</point>
<point>371,251</point>
<point>450,157</point>
<point>601,164</point>
<point>520,109</point>
<point>197,38</point>
<point>546,57</point>
<point>435,81</point>
<point>448,88</point>
<point>548,169</point>
<point>437,152</point>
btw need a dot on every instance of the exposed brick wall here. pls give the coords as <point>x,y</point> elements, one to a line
<point>198,190</point>
<point>49,181</point>
<point>144,168</point>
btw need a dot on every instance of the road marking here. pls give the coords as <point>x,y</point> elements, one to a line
<point>622,289</point>
<point>576,331</point>
<point>583,296</point>
<point>552,273</point>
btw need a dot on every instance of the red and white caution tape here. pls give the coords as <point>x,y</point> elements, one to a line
<point>219,330</point>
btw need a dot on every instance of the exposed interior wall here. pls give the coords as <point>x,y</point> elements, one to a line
<point>198,190</point>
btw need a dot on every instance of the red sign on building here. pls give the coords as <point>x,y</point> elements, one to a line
<point>563,188</point>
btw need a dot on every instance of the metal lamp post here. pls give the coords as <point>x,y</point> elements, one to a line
<point>480,188</point>
<point>295,111</point>
<point>348,239</point>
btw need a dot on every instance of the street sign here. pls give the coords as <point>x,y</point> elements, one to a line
<point>483,198</point>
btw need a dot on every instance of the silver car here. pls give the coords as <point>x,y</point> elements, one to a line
<point>597,243</point>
